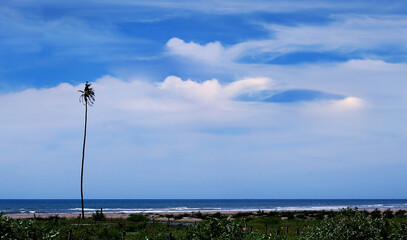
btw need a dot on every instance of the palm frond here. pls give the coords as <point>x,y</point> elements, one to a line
<point>88,95</point>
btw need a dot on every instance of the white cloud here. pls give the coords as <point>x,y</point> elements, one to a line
<point>208,90</point>
<point>211,52</point>
<point>241,6</point>
<point>347,34</point>
<point>349,103</point>
<point>373,65</point>
<point>212,90</point>
<point>183,125</point>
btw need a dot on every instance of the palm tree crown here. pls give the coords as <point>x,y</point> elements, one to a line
<point>88,95</point>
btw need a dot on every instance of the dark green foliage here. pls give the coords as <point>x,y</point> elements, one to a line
<point>352,225</point>
<point>400,213</point>
<point>197,215</point>
<point>300,216</point>
<point>169,215</point>
<point>181,215</point>
<point>91,232</point>
<point>24,229</point>
<point>288,215</point>
<point>271,236</point>
<point>136,222</point>
<point>320,215</point>
<point>98,216</point>
<point>388,214</point>
<point>376,213</point>
<point>344,225</point>
<point>331,214</point>
<point>241,214</point>
<point>217,215</point>
<point>399,231</point>
<point>260,213</point>
<point>216,229</point>
<point>137,218</point>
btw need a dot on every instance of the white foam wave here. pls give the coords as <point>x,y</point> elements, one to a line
<point>311,208</point>
<point>371,206</point>
<point>85,209</point>
<point>157,210</point>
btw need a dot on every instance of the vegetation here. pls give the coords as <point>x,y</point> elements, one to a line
<point>87,98</point>
<point>348,224</point>
<point>98,216</point>
<point>24,229</point>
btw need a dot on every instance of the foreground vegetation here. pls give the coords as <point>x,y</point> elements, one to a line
<point>318,225</point>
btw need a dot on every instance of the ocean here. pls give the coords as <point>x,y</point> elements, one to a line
<point>19,206</point>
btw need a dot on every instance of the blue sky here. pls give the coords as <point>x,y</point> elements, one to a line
<point>204,99</point>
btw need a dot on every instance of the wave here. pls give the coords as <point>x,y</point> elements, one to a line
<point>85,209</point>
<point>180,206</point>
<point>311,208</point>
<point>151,210</point>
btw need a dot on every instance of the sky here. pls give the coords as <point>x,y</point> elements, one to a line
<point>204,99</point>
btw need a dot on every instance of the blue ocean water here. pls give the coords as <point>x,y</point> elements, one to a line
<point>15,206</point>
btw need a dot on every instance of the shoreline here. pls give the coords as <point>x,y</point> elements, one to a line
<point>163,214</point>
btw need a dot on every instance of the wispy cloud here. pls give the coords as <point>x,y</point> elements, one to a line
<point>348,36</point>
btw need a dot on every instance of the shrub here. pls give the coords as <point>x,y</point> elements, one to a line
<point>350,225</point>
<point>388,214</point>
<point>400,212</point>
<point>216,229</point>
<point>399,231</point>
<point>241,214</point>
<point>320,215</point>
<point>288,215</point>
<point>376,213</point>
<point>98,216</point>
<point>92,232</point>
<point>133,227</point>
<point>217,215</point>
<point>197,215</point>
<point>137,218</point>
<point>24,229</point>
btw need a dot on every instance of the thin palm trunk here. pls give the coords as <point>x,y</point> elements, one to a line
<point>83,157</point>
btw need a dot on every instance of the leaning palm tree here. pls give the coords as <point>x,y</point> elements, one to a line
<point>87,98</point>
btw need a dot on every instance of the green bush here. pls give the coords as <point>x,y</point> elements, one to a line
<point>217,215</point>
<point>400,213</point>
<point>92,232</point>
<point>242,214</point>
<point>24,229</point>
<point>376,213</point>
<point>137,218</point>
<point>399,231</point>
<point>388,214</point>
<point>351,225</point>
<point>98,216</point>
<point>197,215</point>
<point>216,229</point>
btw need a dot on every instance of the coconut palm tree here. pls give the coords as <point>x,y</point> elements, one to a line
<point>87,98</point>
